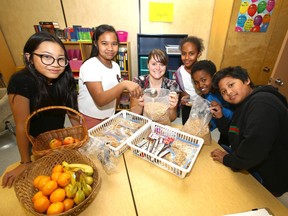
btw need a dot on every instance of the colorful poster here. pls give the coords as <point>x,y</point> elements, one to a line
<point>254,15</point>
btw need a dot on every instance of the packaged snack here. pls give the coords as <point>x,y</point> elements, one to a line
<point>156,107</point>
<point>198,121</point>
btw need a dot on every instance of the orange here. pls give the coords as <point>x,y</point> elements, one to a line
<point>37,195</point>
<point>55,208</point>
<point>49,187</point>
<point>57,168</point>
<point>55,175</point>
<point>36,180</point>
<point>68,204</point>
<point>41,204</point>
<point>64,179</point>
<point>57,195</point>
<point>42,181</point>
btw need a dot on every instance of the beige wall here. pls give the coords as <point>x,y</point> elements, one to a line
<point>192,17</point>
<point>17,18</point>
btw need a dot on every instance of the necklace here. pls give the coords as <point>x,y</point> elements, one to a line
<point>106,64</point>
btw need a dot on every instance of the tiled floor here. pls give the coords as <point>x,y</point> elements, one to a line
<point>9,153</point>
<point>8,150</point>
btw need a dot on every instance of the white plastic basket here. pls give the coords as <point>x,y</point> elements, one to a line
<point>172,49</point>
<point>123,114</point>
<point>166,131</point>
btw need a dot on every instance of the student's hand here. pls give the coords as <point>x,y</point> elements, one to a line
<point>185,99</point>
<point>216,110</point>
<point>173,100</point>
<point>141,101</point>
<point>134,89</point>
<point>9,177</point>
<point>218,155</point>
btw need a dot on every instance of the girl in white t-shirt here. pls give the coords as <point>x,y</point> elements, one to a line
<point>191,49</point>
<point>99,78</point>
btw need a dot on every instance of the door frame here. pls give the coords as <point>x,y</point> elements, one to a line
<point>280,71</point>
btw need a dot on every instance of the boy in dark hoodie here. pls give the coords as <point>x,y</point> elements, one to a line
<point>258,130</point>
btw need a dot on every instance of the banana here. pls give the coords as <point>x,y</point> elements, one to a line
<point>88,179</point>
<point>72,187</point>
<point>80,195</point>
<point>71,190</point>
<point>88,170</point>
<point>85,187</point>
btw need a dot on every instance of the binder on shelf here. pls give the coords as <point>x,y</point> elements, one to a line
<point>55,24</point>
<point>78,33</point>
<point>37,28</point>
<point>48,27</point>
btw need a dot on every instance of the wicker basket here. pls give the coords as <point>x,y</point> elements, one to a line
<point>41,142</point>
<point>25,190</point>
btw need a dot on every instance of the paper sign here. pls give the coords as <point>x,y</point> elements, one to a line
<point>161,12</point>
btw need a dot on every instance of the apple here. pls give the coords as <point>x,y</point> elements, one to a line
<point>54,143</point>
<point>68,140</point>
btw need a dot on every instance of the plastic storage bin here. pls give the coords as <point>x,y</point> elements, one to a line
<point>122,35</point>
<point>166,131</point>
<point>75,64</point>
<point>117,151</point>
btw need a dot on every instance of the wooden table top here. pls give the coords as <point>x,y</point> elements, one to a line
<point>209,189</point>
<point>114,197</point>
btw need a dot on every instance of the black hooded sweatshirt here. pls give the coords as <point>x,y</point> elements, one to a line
<point>258,135</point>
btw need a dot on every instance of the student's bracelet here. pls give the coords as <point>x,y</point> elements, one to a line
<point>21,162</point>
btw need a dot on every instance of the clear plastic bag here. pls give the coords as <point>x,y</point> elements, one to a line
<point>198,121</point>
<point>156,107</point>
<point>97,149</point>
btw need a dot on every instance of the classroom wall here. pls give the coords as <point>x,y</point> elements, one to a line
<point>17,18</point>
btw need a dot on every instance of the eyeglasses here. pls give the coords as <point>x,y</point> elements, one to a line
<point>49,60</point>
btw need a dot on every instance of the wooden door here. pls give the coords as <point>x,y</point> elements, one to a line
<point>257,52</point>
<point>279,77</point>
<point>7,65</point>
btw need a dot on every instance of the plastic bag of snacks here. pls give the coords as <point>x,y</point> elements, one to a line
<point>96,149</point>
<point>156,105</point>
<point>198,121</point>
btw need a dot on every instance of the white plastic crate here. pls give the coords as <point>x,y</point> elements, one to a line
<point>166,131</point>
<point>172,49</point>
<point>123,114</point>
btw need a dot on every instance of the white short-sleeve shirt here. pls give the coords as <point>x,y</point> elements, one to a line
<point>93,70</point>
<point>188,82</point>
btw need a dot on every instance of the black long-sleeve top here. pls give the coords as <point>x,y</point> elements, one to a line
<point>258,134</point>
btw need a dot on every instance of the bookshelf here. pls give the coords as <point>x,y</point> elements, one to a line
<point>80,51</point>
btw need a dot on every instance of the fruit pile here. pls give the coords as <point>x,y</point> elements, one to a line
<point>54,143</point>
<point>67,186</point>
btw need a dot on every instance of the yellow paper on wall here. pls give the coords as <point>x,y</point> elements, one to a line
<point>161,12</point>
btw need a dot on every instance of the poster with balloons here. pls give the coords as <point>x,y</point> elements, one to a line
<point>254,15</point>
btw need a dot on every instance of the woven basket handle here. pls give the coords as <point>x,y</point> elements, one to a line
<point>27,122</point>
